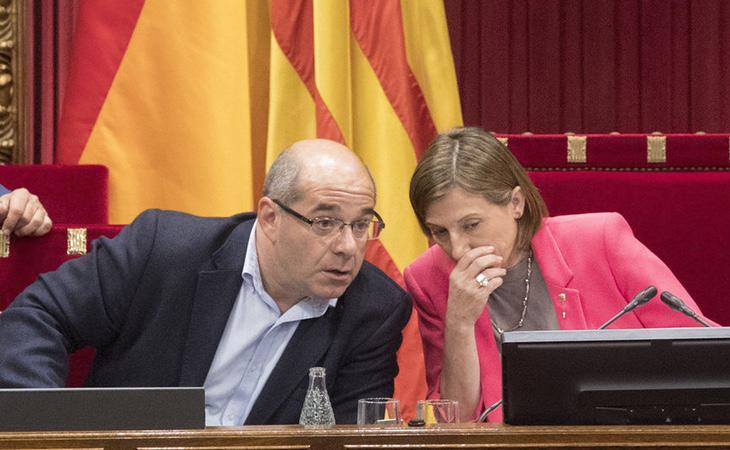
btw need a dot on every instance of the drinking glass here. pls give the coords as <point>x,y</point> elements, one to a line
<point>437,411</point>
<point>378,411</point>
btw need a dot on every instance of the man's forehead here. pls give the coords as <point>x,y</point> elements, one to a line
<point>340,168</point>
<point>336,207</point>
<point>333,184</point>
<point>336,177</point>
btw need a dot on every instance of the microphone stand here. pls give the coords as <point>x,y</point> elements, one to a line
<point>639,299</point>
<point>613,319</point>
<point>483,416</point>
<point>701,321</point>
<point>677,304</point>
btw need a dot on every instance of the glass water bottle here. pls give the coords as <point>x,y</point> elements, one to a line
<point>317,409</point>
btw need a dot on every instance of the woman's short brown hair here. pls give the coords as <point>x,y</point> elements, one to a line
<point>477,162</point>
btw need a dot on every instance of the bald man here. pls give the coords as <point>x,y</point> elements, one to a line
<point>242,305</point>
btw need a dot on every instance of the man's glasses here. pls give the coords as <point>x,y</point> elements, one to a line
<point>327,226</point>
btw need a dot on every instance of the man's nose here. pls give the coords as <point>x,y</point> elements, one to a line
<point>345,241</point>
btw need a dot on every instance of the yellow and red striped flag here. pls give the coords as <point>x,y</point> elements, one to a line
<point>187,102</point>
<point>158,92</point>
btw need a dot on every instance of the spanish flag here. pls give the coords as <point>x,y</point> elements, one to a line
<point>187,102</point>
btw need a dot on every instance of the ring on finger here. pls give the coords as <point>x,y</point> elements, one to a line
<point>481,279</point>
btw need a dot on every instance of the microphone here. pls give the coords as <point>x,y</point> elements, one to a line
<point>639,299</point>
<point>675,302</point>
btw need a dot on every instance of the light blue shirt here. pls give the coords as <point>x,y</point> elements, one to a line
<point>252,343</point>
<point>3,190</point>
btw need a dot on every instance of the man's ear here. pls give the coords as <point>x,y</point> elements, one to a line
<point>268,217</point>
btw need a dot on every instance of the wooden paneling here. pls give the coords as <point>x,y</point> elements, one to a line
<point>474,436</point>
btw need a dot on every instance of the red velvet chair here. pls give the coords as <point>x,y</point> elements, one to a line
<point>70,194</point>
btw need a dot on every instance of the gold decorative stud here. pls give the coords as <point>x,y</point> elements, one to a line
<point>577,149</point>
<point>656,149</point>
<point>4,245</point>
<point>76,241</point>
<point>562,297</point>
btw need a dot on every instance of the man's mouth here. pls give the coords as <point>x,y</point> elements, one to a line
<point>337,273</point>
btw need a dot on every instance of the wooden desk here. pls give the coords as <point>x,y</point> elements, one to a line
<point>491,436</point>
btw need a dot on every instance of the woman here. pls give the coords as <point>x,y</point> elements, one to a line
<point>500,264</point>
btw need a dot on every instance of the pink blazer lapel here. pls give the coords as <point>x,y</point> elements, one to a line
<point>557,274</point>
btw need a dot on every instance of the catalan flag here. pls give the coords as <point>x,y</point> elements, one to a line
<point>187,102</point>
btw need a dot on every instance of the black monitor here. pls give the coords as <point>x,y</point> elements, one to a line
<point>117,408</point>
<point>645,376</point>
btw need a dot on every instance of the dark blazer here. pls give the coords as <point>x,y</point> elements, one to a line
<point>154,302</point>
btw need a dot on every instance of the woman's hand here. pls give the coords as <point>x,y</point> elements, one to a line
<point>467,298</point>
<point>467,295</point>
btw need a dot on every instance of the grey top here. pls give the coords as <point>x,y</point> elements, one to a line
<point>505,303</point>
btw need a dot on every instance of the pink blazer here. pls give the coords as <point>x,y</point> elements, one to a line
<point>592,265</point>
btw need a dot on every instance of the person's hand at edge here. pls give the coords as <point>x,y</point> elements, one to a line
<point>23,214</point>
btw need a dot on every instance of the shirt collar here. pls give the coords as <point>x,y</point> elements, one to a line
<point>308,307</point>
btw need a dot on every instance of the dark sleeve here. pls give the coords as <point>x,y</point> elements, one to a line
<point>371,366</point>
<point>83,303</point>
<point>3,190</point>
